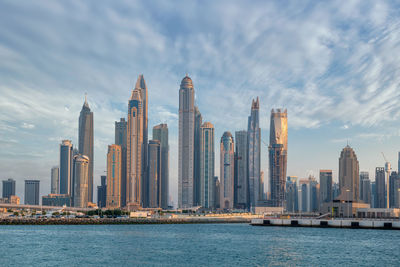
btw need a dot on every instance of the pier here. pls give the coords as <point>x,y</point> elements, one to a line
<point>331,223</point>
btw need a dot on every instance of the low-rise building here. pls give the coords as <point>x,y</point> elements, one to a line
<point>57,200</point>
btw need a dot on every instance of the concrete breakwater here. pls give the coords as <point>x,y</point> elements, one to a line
<point>100,221</point>
<point>334,223</point>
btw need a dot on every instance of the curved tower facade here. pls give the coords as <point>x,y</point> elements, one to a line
<point>186,144</point>
<point>135,150</point>
<point>81,181</point>
<point>227,168</point>
<point>277,150</point>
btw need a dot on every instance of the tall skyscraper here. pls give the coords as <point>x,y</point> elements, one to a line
<point>207,157</point>
<point>102,192</point>
<point>86,142</point>
<point>32,192</point>
<point>241,171</point>
<point>135,150</point>
<point>160,133</point>
<point>142,88</point>
<point>81,181</point>
<point>8,188</point>
<point>55,180</point>
<point>363,175</point>
<point>373,194</point>
<point>198,120</point>
<point>227,171</point>
<point>325,189</point>
<point>291,194</point>
<point>154,174</point>
<point>348,175</point>
<point>186,144</point>
<point>380,190</point>
<point>254,153</point>
<point>120,139</point>
<point>304,198</point>
<point>366,196</point>
<point>398,164</point>
<point>66,167</point>
<point>313,194</point>
<point>277,149</point>
<point>393,188</point>
<point>113,198</point>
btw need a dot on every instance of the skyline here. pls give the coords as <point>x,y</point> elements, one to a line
<point>338,84</point>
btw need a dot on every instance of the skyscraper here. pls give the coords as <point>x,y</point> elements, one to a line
<point>186,144</point>
<point>304,199</point>
<point>206,158</point>
<point>86,142</point>
<point>348,175</point>
<point>120,139</point>
<point>160,133</point>
<point>216,192</point>
<point>154,174</point>
<point>32,192</point>
<point>142,88</point>
<point>241,171</point>
<point>113,198</point>
<point>393,188</point>
<point>277,149</point>
<point>81,181</point>
<point>135,150</point>
<point>366,191</point>
<point>227,169</point>
<point>66,167</point>
<point>380,200</point>
<point>102,192</point>
<point>363,176</point>
<point>8,188</point>
<point>313,194</point>
<point>198,120</point>
<point>325,189</point>
<point>55,180</point>
<point>254,153</point>
<point>291,194</point>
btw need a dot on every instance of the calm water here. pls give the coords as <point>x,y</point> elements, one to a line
<point>195,244</point>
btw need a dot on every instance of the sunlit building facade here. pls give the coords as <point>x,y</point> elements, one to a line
<point>114,164</point>
<point>66,167</point>
<point>86,142</point>
<point>277,151</point>
<point>348,175</point>
<point>81,181</point>
<point>121,139</point>
<point>227,169</point>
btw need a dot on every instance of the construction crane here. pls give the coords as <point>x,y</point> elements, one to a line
<point>387,170</point>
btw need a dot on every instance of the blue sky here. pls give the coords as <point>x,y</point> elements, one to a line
<point>333,64</point>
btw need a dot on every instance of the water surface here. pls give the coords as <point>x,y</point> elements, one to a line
<point>195,244</point>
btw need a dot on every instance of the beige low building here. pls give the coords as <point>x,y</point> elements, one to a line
<point>378,213</point>
<point>342,208</point>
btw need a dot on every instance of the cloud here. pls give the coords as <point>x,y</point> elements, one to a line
<point>327,63</point>
<point>27,125</point>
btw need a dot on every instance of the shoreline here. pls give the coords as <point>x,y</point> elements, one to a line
<point>105,221</point>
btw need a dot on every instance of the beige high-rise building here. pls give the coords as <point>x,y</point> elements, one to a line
<point>86,142</point>
<point>81,181</point>
<point>135,150</point>
<point>207,156</point>
<point>114,162</point>
<point>348,175</point>
<point>227,169</point>
<point>278,139</point>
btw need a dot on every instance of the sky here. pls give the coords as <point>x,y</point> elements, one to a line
<point>334,65</point>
